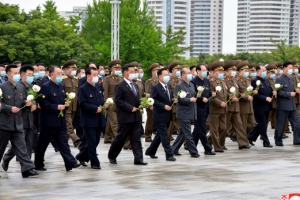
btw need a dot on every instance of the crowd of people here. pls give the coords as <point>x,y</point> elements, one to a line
<point>42,104</point>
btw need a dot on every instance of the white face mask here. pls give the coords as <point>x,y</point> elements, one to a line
<point>95,79</point>
<point>131,76</point>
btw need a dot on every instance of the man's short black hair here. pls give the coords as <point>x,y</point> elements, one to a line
<point>98,66</point>
<point>2,65</point>
<point>51,69</point>
<point>285,64</point>
<point>159,72</point>
<point>89,70</point>
<point>38,64</point>
<point>192,67</point>
<point>258,66</point>
<point>24,68</point>
<point>10,66</point>
<point>126,67</point>
<point>16,62</point>
<point>88,64</point>
<point>78,70</point>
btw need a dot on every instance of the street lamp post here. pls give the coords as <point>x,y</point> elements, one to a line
<point>115,28</point>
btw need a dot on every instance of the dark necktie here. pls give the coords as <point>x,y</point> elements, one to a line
<point>133,89</point>
<point>166,88</point>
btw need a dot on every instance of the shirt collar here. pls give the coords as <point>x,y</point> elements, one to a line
<point>127,81</point>
<point>164,85</point>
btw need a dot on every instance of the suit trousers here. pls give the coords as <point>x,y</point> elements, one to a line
<point>28,136</point>
<point>217,127</point>
<point>111,125</point>
<point>132,129</point>
<point>17,141</point>
<point>260,128</point>
<point>161,137</point>
<point>185,134</point>
<point>77,123</point>
<point>70,128</point>
<point>149,125</point>
<point>173,124</point>
<point>235,119</point>
<point>59,136</point>
<point>281,117</point>
<point>200,132</point>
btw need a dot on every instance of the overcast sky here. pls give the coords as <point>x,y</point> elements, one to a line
<point>230,16</point>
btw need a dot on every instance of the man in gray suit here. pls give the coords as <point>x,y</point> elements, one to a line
<point>186,112</point>
<point>27,116</point>
<point>11,123</point>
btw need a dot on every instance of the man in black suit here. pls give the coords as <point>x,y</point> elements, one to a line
<point>161,114</point>
<point>286,107</point>
<point>90,99</point>
<point>53,126</point>
<point>262,99</point>
<point>11,123</point>
<point>128,117</point>
<point>202,109</point>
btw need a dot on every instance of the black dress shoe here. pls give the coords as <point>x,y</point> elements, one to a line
<point>233,139</point>
<point>82,163</point>
<point>140,163</point>
<point>195,155</point>
<point>95,167</point>
<point>177,153</point>
<point>224,148</point>
<point>273,127</point>
<point>280,145</point>
<point>112,161</point>
<point>41,169</point>
<point>56,149</point>
<point>288,132</point>
<point>73,166</point>
<point>209,153</point>
<point>5,166</point>
<point>77,143</point>
<point>245,147</point>
<point>219,151</point>
<point>151,156</point>
<point>28,173</point>
<point>171,139</point>
<point>251,142</point>
<point>296,144</point>
<point>268,145</point>
<point>171,159</point>
<point>284,136</point>
<point>149,140</point>
<point>185,148</point>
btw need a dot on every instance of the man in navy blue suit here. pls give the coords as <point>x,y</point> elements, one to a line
<point>90,99</point>
<point>262,99</point>
<point>161,114</point>
<point>53,126</point>
<point>286,106</point>
<point>202,109</point>
<point>128,117</point>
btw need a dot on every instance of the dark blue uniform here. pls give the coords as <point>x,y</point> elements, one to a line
<point>261,110</point>
<point>202,113</point>
<point>161,118</point>
<point>52,126</point>
<point>90,98</point>
<point>286,108</point>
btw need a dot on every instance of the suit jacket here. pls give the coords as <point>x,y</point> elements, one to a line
<point>12,96</point>
<point>161,98</point>
<point>125,101</point>
<point>82,81</point>
<point>39,82</point>
<point>55,94</point>
<point>27,115</point>
<point>90,98</point>
<point>202,108</point>
<point>45,80</point>
<point>284,99</point>
<point>259,100</point>
<point>186,110</point>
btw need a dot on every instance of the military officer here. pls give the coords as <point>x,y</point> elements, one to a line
<point>252,71</point>
<point>174,68</point>
<point>70,81</point>
<point>109,92</point>
<point>42,72</point>
<point>148,85</point>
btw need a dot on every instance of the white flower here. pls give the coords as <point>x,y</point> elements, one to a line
<point>109,101</point>
<point>249,88</point>
<point>30,97</point>
<point>71,95</point>
<point>182,94</point>
<point>200,89</point>
<point>232,90</point>
<point>1,92</point>
<point>258,83</point>
<point>277,85</point>
<point>218,88</point>
<point>298,85</point>
<point>150,101</point>
<point>222,60</point>
<point>36,88</point>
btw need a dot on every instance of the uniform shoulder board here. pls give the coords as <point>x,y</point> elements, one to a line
<point>150,79</point>
<point>108,76</point>
<point>212,79</point>
<point>75,77</point>
<point>64,77</point>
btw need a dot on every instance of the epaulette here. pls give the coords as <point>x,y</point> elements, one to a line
<point>75,77</point>
<point>212,79</point>
<point>64,77</point>
<point>150,79</point>
<point>139,80</point>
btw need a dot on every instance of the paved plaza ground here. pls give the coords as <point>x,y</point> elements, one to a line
<point>258,173</point>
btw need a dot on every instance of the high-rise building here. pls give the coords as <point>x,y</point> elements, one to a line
<point>202,20</point>
<point>76,11</point>
<point>260,20</point>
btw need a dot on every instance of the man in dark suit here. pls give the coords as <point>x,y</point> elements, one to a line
<point>202,109</point>
<point>42,74</point>
<point>286,106</point>
<point>128,117</point>
<point>162,113</point>
<point>186,112</point>
<point>2,73</point>
<point>27,116</point>
<point>53,126</point>
<point>262,105</point>
<point>11,124</point>
<point>90,99</point>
